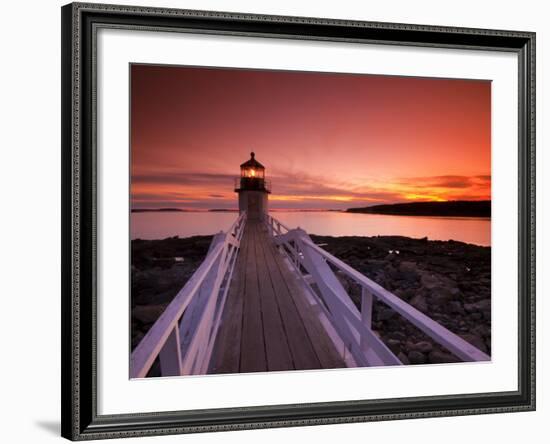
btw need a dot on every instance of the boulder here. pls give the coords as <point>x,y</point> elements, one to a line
<point>407,267</point>
<point>408,270</point>
<point>439,357</point>
<point>400,336</point>
<point>394,345</point>
<point>429,281</point>
<point>403,358</point>
<point>391,272</point>
<point>385,313</point>
<point>409,293</point>
<point>419,302</point>
<point>422,347</point>
<point>454,307</point>
<point>416,357</point>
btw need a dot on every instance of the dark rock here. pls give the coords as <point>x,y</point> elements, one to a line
<point>391,272</point>
<point>407,267</point>
<point>439,357</point>
<point>416,357</point>
<point>475,340</point>
<point>441,294</point>
<point>476,316</point>
<point>394,345</point>
<point>419,302</point>
<point>409,293</point>
<point>429,281</point>
<point>454,307</point>
<point>408,271</point>
<point>482,331</point>
<point>423,347</point>
<point>403,358</point>
<point>147,314</point>
<point>400,336</point>
<point>385,313</point>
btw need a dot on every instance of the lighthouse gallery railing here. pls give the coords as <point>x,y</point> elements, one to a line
<point>183,336</point>
<point>353,324</point>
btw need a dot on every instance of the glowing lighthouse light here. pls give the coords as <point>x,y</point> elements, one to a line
<point>253,189</point>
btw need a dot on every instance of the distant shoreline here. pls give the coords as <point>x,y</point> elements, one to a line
<point>457,208</point>
<point>150,210</point>
<point>230,210</point>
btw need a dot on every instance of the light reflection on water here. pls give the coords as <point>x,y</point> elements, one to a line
<point>160,225</point>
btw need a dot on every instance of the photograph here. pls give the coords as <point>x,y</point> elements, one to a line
<point>299,220</point>
<point>271,219</point>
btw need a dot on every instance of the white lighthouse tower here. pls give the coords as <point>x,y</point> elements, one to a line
<point>253,189</point>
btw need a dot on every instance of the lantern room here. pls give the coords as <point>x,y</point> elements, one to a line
<point>253,189</point>
<point>252,168</point>
<point>252,176</point>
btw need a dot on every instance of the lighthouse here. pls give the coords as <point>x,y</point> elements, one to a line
<point>253,189</point>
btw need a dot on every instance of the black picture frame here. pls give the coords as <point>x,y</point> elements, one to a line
<point>79,385</point>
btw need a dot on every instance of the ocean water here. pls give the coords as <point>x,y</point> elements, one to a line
<point>473,230</point>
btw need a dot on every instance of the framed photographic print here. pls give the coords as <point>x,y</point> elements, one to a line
<point>278,221</point>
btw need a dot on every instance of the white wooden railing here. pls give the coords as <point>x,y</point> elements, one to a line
<point>352,324</point>
<point>183,336</point>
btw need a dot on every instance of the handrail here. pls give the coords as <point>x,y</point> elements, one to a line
<point>304,254</point>
<point>184,334</point>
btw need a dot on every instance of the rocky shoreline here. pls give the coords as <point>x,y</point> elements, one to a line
<point>160,268</point>
<point>447,280</point>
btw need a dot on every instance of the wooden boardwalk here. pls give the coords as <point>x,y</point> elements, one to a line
<point>268,323</point>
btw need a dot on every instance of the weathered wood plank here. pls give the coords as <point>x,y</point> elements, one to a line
<point>302,351</point>
<point>276,341</point>
<point>227,350</point>
<point>253,357</point>
<point>268,324</point>
<point>326,352</point>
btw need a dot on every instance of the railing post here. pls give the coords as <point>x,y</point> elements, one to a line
<point>366,313</point>
<point>170,355</point>
<point>366,307</point>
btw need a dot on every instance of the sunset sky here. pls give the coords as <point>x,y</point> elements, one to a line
<point>328,141</point>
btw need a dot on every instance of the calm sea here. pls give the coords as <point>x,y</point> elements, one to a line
<point>159,225</point>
